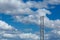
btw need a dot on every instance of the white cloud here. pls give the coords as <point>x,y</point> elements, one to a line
<point>43,12</point>
<point>46,36</point>
<point>53,2</point>
<point>19,7</point>
<point>8,32</point>
<point>4,25</point>
<point>37,4</point>
<point>13,7</point>
<point>29,36</point>
<point>53,35</point>
<point>33,18</point>
<point>56,31</point>
<point>52,23</point>
<point>3,39</point>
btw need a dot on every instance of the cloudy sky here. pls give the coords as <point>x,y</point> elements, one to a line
<point>20,19</point>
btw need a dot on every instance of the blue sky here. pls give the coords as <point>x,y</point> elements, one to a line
<point>20,19</point>
<point>55,14</point>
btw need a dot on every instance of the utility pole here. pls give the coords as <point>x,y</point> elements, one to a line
<point>42,28</point>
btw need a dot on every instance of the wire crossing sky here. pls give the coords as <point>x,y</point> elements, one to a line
<point>20,19</point>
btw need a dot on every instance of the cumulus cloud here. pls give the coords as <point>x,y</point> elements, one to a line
<point>13,7</point>
<point>53,2</point>
<point>20,9</point>
<point>5,26</point>
<point>29,36</point>
<point>33,18</point>
<point>53,35</point>
<point>52,23</point>
<point>8,32</point>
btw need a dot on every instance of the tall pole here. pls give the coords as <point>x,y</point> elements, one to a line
<point>42,28</point>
